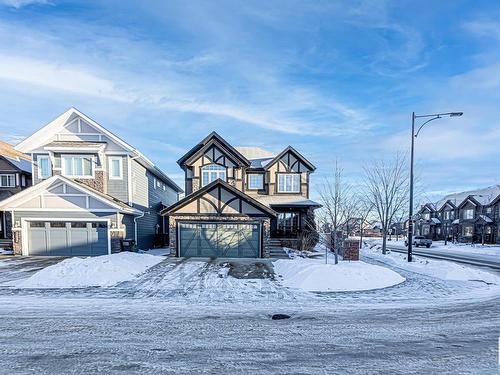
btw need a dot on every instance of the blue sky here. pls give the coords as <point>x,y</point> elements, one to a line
<point>332,78</point>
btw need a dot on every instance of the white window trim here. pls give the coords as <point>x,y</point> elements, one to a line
<point>63,165</point>
<point>13,177</point>
<point>40,157</point>
<point>287,174</point>
<point>261,175</point>
<point>110,169</point>
<point>222,170</point>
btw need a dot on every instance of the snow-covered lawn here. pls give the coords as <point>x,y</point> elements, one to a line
<point>441,269</point>
<point>314,275</point>
<point>103,271</point>
<point>163,251</point>
<point>458,248</point>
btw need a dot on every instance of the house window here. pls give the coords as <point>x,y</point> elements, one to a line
<point>468,231</point>
<point>288,183</point>
<point>7,180</point>
<point>425,230</point>
<point>469,213</point>
<point>288,222</point>
<point>44,170</point>
<point>77,166</point>
<point>115,168</point>
<point>427,216</point>
<point>212,172</point>
<point>255,181</point>
<point>488,210</point>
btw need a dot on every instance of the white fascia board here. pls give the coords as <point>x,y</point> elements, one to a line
<point>41,135</point>
<point>37,139</point>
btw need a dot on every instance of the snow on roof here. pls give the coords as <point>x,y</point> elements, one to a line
<point>18,159</point>
<point>485,218</point>
<point>22,164</point>
<point>456,221</point>
<point>484,196</point>
<point>253,153</point>
<point>274,200</point>
<point>435,220</point>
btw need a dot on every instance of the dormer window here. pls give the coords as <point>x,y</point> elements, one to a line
<point>212,172</point>
<point>78,166</point>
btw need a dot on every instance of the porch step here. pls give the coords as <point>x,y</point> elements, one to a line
<point>5,243</point>
<point>277,252</point>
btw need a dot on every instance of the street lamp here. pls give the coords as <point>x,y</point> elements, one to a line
<point>414,135</point>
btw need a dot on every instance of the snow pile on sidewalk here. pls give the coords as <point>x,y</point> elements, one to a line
<point>314,275</point>
<point>441,269</point>
<point>104,271</point>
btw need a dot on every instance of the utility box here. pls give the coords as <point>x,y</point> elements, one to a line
<point>350,249</point>
<point>128,245</point>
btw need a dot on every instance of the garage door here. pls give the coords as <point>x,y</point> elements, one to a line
<point>219,240</point>
<point>60,238</point>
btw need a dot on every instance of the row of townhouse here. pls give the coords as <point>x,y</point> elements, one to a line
<point>73,188</point>
<point>470,216</point>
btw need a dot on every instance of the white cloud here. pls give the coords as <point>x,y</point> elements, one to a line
<point>22,3</point>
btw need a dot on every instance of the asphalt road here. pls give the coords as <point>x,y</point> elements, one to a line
<point>153,339</point>
<point>492,261</point>
<point>182,318</point>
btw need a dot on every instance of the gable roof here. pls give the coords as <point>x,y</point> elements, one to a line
<point>32,191</point>
<point>197,194</point>
<point>42,135</point>
<point>206,142</point>
<point>297,154</point>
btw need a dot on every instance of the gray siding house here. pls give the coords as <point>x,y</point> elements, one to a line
<point>90,190</point>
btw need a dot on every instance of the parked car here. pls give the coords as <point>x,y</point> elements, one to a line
<point>420,241</point>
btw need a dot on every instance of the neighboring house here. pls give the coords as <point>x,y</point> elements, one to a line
<point>90,190</point>
<point>238,198</point>
<point>15,175</point>
<point>470,216</point>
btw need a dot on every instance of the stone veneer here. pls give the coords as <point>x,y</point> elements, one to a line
<point>17,244</point>
<point>98,183</point>
<point>265,221</point>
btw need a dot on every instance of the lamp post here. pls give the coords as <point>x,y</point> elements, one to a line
<point>414,135</point>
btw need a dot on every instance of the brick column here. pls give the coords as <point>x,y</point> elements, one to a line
<point>351,249</point>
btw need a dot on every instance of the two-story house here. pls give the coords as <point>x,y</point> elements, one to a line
<point>470,216</point>
<point>237,198</point>
<point>15,175</point>
<point>90,190</point>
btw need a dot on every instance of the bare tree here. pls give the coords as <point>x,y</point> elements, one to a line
<point>387,187</point>
<point>337,198</point>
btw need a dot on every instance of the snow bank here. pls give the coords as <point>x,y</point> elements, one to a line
<point>441,269</point>
<point>314,275</point>
<point>104,270</point>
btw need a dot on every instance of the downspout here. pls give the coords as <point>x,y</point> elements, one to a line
<point>135,226</point>
<point>131,195</point>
